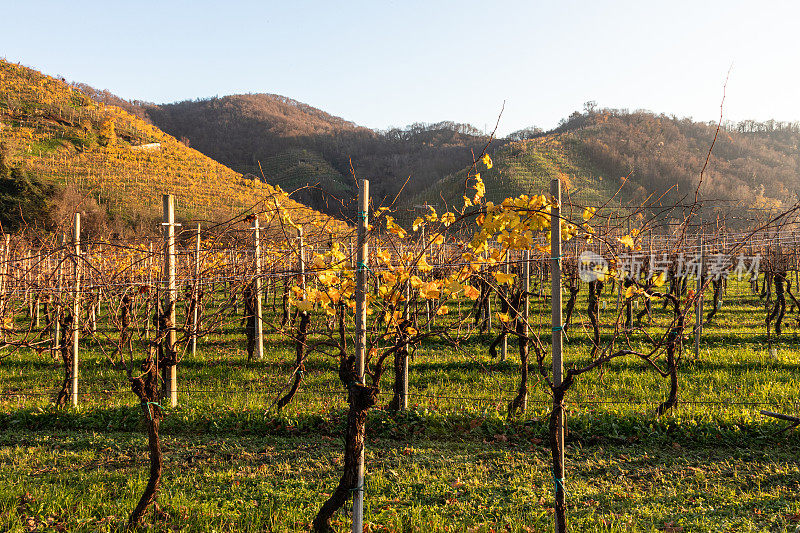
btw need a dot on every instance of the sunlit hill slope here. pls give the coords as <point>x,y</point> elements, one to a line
<point>61,136</point>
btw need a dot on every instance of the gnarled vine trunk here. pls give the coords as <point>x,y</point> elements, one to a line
<point>574,289</point>
<point>146,389</point>
<point>249,297</point>
<point>65,347</point>
<point>593,310</point>
<point>555,450</point>
<point>779,310</point>
<point>673,340</point>
<point>520,401</point>
<point>360,398</point>
<point>715,304</point>
<point>300,357</point>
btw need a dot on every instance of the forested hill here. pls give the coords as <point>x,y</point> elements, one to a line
<point>756,164</point>
<point>295,145</point>
<point>60,149</point>
<point>284,142</point>
<point>752,164</point>
<point>643,156</point>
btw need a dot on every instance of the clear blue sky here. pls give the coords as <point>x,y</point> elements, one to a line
<point>383,63</point>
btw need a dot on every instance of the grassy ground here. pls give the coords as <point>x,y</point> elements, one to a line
<point>452,463</point>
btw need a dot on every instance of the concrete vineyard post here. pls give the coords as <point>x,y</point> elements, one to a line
<point>150,294</point>
<point>76,308</point>
<point>361,336</point>
<point>259,352</point>
<point>558,365</point>
<point>4,282</point>
<point>504,345</point>
<point>301,258</point>
<point>58,300</point>
<point>698,317</point>
<point>404,361</point>
<point>196,310</point>
<point>170,372</point>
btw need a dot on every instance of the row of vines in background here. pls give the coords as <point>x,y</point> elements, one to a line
<point>450,276</point>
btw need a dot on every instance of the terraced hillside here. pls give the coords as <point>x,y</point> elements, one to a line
<point>61,136</point>
<point>527,167</point>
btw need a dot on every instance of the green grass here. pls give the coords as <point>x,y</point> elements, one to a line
<point>452,463</point>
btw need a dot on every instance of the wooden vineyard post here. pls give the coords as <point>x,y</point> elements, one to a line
<point>558,365</point>
<point>76,309</point>
<point>170,370</point>
<point>196,310</point>
<point>361,338</point>
<point>259,351</point>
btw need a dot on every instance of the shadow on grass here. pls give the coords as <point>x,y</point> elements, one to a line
<point>586,428</point>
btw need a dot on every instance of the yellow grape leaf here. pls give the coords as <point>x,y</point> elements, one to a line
<point>318,262</point>
<point>502,277</point>
<point>627,240</point>
<point>334,295</point>
<point>471,292</point>
<point>503,317</point>
<point>432,216</point>
<point>589,212</point>
<point>630,291</point>
<point>397,230</point>
<point>452,286</point>
<point>305,305</point>
<point>659,280</point>
<point>384,291</point>
<point>383,255</point>
<point>423,265</point>
<point>480,188</point>
<point>448,218</point>
<point>443,310</point>
<point>430,290</point>
<point>417,223</point>
<point>327,278</point>
<point>487,161</point>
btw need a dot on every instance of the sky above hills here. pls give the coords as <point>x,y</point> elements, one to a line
<point>391,63</point>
